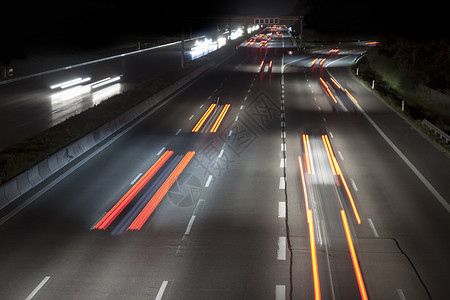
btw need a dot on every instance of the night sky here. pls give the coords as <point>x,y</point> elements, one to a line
<point>95,22</point>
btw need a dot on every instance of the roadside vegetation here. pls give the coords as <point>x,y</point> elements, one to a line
<point>413,73</point>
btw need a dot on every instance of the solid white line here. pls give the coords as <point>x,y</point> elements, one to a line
<point>191,221</point>
<point>282,184</point>
<point>374,230</point>
<point>281,255</point>
<point>161,290</point>
<point>281,209</point>
<point>280,292</point>
<point>40,285</point>
<point>161,151</point>
<point>136,179</point>
<point>401,295</point>
<point>413,168</point>
<point>208,181</point>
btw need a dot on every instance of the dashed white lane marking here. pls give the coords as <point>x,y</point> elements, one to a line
<point>283,147</point>
<point>190,118</point>
<point>221,153</point>
<point>340,155</point>
<point>282,184</point>
<point>281,255</point>
<point>331,135</point>
<point>161,151</point>
<point>161,290</point>
<point>230,132</point>
<point>202,104</point>
<point>280,292</point>
<point>136,178</point>
<point>39,286</point>
<point>354,184</point>
<point>189,227</point>
<point>208,182</point>
<point>282,162</point>
<point>401,295</point>
<point>179,130</point>
<point>374,230</point>
<point>283,134</point>
<point>242,106</point>
<point>281,209</point>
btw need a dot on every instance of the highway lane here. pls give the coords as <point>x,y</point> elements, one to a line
<point>228,250</point>
<point>403,224</point>
<point>30,106</point>
<point>220,232</point>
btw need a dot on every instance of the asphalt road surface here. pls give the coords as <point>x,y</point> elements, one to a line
<point>266,207</point>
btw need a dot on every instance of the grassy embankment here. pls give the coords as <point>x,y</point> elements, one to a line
<point>394,84</point>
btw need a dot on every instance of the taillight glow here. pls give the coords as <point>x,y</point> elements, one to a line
<point>203,118</point>
<point>220,118</point>
<point>322,61</point>
<point>339,172</point>
<point>351,247</point>
<point>314,61</point>
<point>350,95</point>
<point>315,268</point>
<point>159,195</point>
<point>126,199</point>
<point>305,192</point>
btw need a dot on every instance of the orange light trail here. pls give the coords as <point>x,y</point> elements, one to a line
<point>261,65</point>
<point>309,154</point>
<point>305,146</point>
<point>350,95</point>
<point>314,61</point>
<point>335,83</point>
<point>315,269</point>
<point>220,118</point>
<point>203,118</point>
<point>339,172</point>
<point>322,61</point>
<point>351,247</point>
<point>328,155</point>
<point>305,193</point>
<point>328,90</point>
<point>126,199</point>
<point>159,195</point>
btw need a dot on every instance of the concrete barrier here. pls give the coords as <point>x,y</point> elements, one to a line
<point>14,188</point>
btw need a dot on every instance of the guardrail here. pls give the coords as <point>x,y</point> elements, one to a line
<point>439,132</point>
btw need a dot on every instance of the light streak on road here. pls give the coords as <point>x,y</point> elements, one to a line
<point>351,96</point>
<point>126,199</point>
<point>315,268</point>
<point>159,195</point>
<point>220,118</point>
<point>336,166</point>
<point>351,247</point>
<point>70,83</point>
<point>203,118</point>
